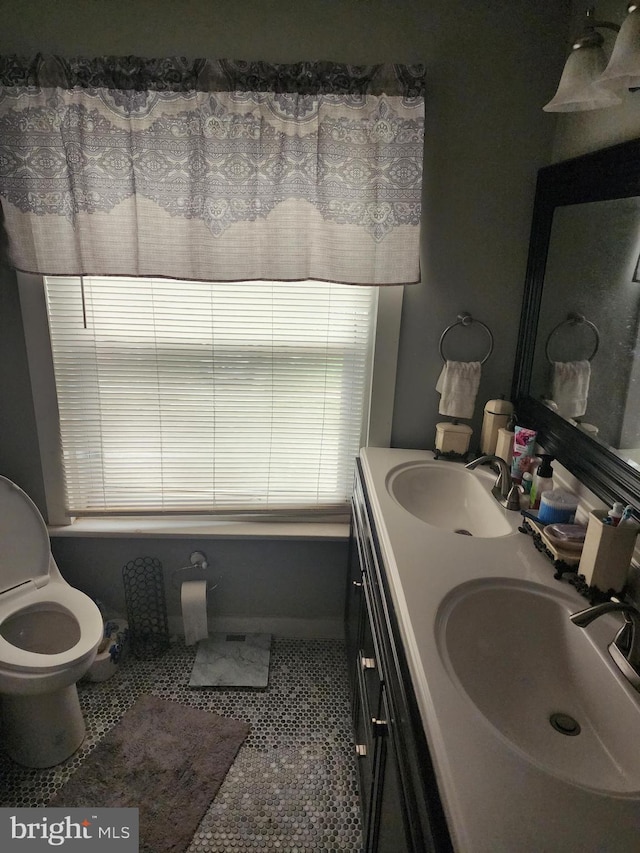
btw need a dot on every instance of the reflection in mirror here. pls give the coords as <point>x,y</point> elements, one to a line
<point>583,258</point>
<point>589,371</point>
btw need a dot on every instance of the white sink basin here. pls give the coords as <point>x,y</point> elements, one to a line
<point>449,496</point>
<point>511,648</point>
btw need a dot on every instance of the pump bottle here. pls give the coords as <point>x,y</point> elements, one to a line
<point>543,480</point>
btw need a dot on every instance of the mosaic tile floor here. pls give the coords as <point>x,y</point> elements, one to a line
<point>293,786</point>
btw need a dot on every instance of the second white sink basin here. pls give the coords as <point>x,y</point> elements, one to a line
<point>511,647</point>
<point>448,496</point>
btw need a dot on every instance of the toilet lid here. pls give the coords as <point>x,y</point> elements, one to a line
<point>24,541</point>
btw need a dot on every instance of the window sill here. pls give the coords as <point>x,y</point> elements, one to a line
<point>200,527</point>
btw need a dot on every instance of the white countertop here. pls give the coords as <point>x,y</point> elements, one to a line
<point>493,799</point>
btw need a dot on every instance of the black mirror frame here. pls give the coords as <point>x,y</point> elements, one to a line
<point>606,174</point>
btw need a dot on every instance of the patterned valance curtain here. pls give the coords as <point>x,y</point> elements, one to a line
<point>212,170</point>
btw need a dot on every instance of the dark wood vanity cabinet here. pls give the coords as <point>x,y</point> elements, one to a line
<point>400,806</point>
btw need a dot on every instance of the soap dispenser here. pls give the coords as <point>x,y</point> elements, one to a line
<point>496,416</point>
<point>543,480</point>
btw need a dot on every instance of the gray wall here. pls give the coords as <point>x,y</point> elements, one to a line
<point>285,587</point>
<point>491,65</point>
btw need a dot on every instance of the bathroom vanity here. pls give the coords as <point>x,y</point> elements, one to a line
<point>400,804</point>
<point>468,676</point>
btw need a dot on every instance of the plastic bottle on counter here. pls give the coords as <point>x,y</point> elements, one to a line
<point>524,440</point>
<point>542,481</point>
<point>525,490</point>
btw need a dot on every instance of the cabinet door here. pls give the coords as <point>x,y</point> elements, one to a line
<point>388,831</point>
<point>366,708</point>
<point>401,807</point>
<point>354,607</point>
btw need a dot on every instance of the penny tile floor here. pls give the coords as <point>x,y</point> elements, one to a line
<point>293,786</point>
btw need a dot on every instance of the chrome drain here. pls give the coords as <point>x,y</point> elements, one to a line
<point>463,532</point>
<point>565,724</point>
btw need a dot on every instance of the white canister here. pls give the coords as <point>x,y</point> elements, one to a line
<point>504,444</point>
<point>496,416</point>
<point>452,437</point>
<point>607,552</point>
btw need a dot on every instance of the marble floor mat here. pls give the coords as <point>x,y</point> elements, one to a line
<point>232,660</point>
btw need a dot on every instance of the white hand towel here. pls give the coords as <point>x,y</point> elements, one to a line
<point>458,386</point>
<point>570,387</point>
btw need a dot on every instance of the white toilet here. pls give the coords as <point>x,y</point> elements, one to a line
<point>49,636</point>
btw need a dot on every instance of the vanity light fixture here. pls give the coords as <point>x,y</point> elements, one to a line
<point>587,81</point>
<point>623,70</point>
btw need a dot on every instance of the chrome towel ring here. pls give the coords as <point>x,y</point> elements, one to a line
<point>466,319</point>
<point>574,319</point>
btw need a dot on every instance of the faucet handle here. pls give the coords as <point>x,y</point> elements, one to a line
<point>628,637</point>
<point>625,647</point>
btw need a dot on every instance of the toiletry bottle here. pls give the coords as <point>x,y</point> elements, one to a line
<point>524,441</point>
<point>615,514</point>
<point>543,480</point>
<point>527,482</point>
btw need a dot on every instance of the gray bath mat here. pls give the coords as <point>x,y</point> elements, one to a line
<point>232,660</point>
<point>166,759</point>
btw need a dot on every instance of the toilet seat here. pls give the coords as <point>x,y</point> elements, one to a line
<point>26,583</point>
<point>61,596</point>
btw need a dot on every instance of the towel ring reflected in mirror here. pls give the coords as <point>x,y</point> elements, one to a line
<point>574,319</point>
<point>466,319</point>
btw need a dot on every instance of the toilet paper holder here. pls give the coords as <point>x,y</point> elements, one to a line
<point>198,564</point>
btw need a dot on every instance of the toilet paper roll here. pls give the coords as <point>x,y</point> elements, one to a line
<point>193,597</point>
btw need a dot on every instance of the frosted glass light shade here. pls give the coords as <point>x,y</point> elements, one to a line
<point>578,89</point>
<point>623,70</point>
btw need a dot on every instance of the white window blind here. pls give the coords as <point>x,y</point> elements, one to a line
<point>182,396</point>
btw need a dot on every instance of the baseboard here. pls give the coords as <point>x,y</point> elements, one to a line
<point>321,629</point>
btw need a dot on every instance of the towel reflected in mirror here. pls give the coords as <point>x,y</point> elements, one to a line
<point>570,387</point>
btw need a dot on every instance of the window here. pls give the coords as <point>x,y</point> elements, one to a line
<point>186,397</point>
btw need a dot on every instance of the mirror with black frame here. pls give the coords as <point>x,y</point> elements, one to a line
<point>577,372</point>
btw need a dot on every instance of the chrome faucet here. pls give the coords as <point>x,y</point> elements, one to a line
<point>505,491</point>
<point>625,647</point>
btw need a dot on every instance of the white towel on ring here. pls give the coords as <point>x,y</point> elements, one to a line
<point>458,386</point>
<point>570,387</point>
